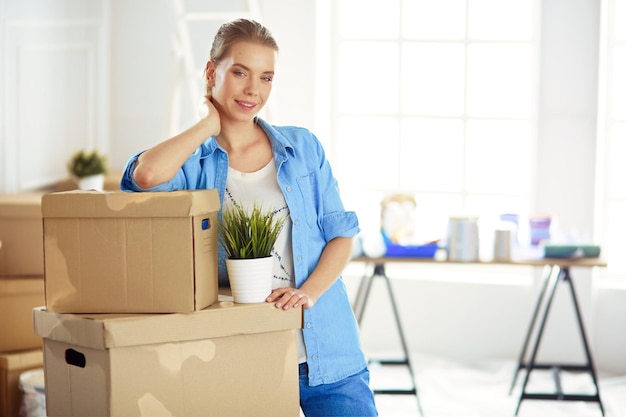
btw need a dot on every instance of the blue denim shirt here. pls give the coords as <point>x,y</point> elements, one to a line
<point>318,215</point>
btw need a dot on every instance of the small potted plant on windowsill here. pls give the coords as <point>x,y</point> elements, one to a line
<point>89,169</point>
<point>248,239</point>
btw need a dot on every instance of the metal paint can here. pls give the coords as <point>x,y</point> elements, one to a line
<point>503,242</point>
<point>462,237</point>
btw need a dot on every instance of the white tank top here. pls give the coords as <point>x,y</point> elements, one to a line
<point>246,188</point>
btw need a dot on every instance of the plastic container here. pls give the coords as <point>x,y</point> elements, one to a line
<point>412,251</point>
<point>539,229</point>
<point>409,251</point>
<point>33,393</point>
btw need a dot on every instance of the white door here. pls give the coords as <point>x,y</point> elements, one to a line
<point>54,83</point>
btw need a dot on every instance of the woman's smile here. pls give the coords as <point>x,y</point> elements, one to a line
<point>246,105</point>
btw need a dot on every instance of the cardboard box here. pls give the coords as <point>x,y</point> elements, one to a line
<point>18,297</point>
<point>117,252</point>
<point>12,365</point>
<point>21,236</point>
<point>229,360</point>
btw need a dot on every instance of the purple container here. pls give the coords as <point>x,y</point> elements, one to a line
<point>539,230</point>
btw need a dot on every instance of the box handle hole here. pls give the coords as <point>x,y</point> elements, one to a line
<point>73,357</point>
<point>206,224</point>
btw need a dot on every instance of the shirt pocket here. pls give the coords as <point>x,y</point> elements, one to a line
<point>308,191</point>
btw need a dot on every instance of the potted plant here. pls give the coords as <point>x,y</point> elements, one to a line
<point>88,168</point>
<point>248,239</point>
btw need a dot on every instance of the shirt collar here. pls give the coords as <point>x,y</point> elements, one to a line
<point>280,143</point>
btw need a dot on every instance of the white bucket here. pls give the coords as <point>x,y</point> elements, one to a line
<point>33,393</point>
<point>463,244</point>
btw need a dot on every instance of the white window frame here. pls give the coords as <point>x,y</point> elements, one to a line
<point>328,112</point>
<point>612,250</point>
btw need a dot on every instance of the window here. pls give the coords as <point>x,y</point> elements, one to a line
<point>611,202</point>
<point>434,98</point>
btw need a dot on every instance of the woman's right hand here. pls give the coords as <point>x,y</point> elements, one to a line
<point>210,116</point>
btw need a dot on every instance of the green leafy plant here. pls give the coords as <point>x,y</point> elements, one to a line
<point>83,164</point>
<point>249,235</point>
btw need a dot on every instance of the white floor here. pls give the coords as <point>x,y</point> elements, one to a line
<point>448,389</point>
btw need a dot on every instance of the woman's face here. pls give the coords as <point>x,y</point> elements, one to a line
<point>242,80</point>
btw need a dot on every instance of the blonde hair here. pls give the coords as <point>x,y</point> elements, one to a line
<point>238,30</point>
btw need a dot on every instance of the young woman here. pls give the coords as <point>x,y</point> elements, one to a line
<point>247,160</point>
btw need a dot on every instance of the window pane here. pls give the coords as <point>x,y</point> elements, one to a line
<point>618,91</point>
<point>498,157</point>
<point>367,148</point>
<point>366,204</point>
<point>445,204</point>
<point>432,214</point>
<point>366,19</point>
<point>427,19</point>
<point>617,167</point>
<point>433,79</point>
<point>490,205</point>
<point>500,19</point>
<point>499,81</point>
<point>368,76</point>
<point>428,118</point>
<point>431,157</point>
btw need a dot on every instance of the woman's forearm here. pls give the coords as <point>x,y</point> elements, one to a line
<point>334,259</point>
<point>161,162</point>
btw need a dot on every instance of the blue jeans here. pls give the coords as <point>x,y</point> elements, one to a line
<point>350,397</point>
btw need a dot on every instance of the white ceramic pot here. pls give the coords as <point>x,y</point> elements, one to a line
<point>91,182</point>
<point>250,279</point>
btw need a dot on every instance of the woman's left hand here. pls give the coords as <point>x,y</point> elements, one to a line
<point>287,297</point>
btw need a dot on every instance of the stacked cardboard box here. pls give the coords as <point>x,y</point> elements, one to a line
<point>116,252</point>
<point>132,324</point>
<point>12,365</point>
<point>21,290</point>
<point>20,347</point>
<point>226,360</point>
<point>18,297</point>
<point>21,241</point>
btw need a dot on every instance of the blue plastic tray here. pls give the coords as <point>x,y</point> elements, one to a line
<point>412,251</point>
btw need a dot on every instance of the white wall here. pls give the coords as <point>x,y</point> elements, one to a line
<point>142,63</point>
<point>140,68</point>
<point>121,103</point>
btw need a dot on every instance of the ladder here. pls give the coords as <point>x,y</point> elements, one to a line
<point>187,72</point>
